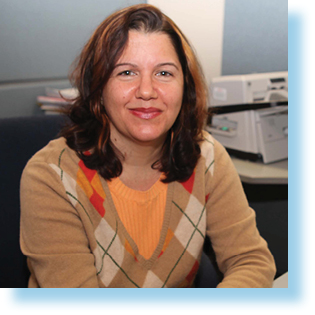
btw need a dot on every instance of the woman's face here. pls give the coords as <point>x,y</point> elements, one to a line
<point>144,93</point>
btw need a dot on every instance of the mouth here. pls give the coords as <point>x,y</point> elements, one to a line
<point>145,113</point>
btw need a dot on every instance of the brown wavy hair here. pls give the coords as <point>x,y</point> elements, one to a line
<point>88,132</point>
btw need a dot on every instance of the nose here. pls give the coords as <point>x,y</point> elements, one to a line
<point>146,89</point>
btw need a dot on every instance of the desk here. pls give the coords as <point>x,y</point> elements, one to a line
<point>281,282</point>
<point>259,173</point>
<point>266,188</point>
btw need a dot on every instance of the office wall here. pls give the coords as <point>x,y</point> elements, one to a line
<point>255,36</point>
<point>38,42</point>
<point>233,36</point>
<point>40,39</point>
<point>202,22</point>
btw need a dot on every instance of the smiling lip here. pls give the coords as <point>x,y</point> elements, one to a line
<point>146,113</point>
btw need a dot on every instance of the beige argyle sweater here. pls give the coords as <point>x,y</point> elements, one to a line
<point>73,237</point>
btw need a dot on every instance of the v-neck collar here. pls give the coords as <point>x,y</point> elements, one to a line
<point>131,194</point>
<point>147,263</point>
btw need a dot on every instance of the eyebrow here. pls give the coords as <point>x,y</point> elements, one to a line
<point>135,66</point>
<point>125,64</point>
<point>168,64</point>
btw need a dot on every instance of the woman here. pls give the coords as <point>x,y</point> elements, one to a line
<point>127,195</point>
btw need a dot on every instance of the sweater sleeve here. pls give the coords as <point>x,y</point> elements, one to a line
<point>242,254</point>
<point>52,233</point>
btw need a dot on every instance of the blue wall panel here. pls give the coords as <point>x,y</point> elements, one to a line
<point>255,36</point>
<point>39,41</point>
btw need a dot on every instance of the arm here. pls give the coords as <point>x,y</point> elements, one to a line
<point>242,255</point>
<point>53,236</point>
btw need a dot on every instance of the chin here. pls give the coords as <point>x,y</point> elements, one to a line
<point>147,139</point>
<point>150,136</point>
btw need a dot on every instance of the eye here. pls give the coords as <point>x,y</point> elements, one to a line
<point>164,74</point>
<point>126,73</point>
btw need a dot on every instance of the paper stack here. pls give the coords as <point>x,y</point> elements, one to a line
<point>55,100</point>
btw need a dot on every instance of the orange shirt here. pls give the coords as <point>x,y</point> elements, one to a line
<point>141,212</point>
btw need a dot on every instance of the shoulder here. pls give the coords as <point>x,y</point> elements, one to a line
<point>53,152</point>
<point>207,144</point>
<point>210,145</point>
<point>211,151</point>
<point>54,157</point>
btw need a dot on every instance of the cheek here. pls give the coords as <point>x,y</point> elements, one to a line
<point>175,101</point>
<point>119,93</point>
<point>113,96</point>
<point>172,95</point>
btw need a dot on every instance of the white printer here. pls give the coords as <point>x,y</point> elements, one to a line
<point>251,115</point>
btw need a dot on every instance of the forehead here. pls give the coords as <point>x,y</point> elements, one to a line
<point>145,46</point>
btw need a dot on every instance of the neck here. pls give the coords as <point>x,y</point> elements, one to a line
<point>135,154</point>
<point>138,156</point>
<point>137,159</point>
